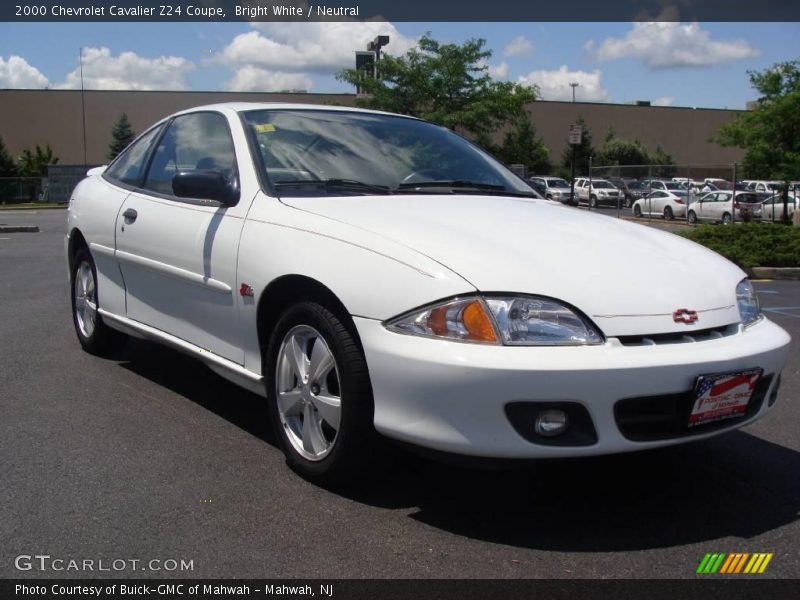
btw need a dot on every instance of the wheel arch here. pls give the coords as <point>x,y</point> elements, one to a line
<point>286,290</point>
<point>76,242</point>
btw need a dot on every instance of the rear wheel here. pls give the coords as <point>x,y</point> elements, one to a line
<point>93,334</point>
<point>668,213</point>
<point>726,219</point>
<point>320,396</point>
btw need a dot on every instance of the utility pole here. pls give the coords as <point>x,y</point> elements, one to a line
<point>573,86</point>
<point>83,106</point>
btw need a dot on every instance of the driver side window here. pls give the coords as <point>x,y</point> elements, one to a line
<point>198,141</point>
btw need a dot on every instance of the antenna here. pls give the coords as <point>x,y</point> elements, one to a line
<point>83,105</point>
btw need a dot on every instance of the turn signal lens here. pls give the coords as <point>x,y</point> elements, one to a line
<point>477,322</point>
<point>463,319</point>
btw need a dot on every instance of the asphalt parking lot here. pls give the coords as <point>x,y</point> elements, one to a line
<point>152,456</point>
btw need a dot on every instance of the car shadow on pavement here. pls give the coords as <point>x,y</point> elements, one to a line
<point>734,485</point>
<point>194,381</point>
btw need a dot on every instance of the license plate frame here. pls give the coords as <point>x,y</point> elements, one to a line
<point>722,396</point>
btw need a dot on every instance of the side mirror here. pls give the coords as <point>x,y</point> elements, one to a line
<point>205,185</point>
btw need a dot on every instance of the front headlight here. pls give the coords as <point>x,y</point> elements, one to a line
<point>510,320</point>
<point>749,307</point>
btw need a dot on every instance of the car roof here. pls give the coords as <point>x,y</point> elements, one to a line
<point>249,106</point>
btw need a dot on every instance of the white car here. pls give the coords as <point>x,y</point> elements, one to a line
<point>718,207</point>
<point>772,207</point>
<point>596,192</point>
<point>764,187</point>
<point>669,204</point>
<point>368,272</point>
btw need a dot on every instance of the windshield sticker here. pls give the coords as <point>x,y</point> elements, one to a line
<point>264,128</point>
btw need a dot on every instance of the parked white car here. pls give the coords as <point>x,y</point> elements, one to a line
<point>553,188</point>
<point>764,187</point>
<point>368,272</point>
<point>772,207</point>
<point>596,192</point>
<point>719,208</point>
<point>662,203</point>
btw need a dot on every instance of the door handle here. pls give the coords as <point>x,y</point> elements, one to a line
<point>130,216</point>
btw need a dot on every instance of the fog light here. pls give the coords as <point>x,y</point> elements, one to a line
<point>551,423</point>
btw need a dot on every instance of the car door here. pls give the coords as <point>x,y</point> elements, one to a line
<point>178,255</point>
<point>656,203</point>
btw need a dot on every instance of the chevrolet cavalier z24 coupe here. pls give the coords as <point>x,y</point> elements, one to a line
<point>376,276</point>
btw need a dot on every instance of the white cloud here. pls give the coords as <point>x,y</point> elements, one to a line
<point>17,73</point>
<point>664,101</point>
<point>253,79</point>
<point>129,71</point>
<point>498,71</point>
<point>663,45</point>
<point>317,47</point>
<point>519,46</point>
<point>554,84</point>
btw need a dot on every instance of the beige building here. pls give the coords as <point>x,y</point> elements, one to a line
<point>55,117</point>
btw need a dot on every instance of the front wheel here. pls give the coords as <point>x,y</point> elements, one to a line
<point>94,335</point>
<point>593,202</point>
<point>320,396</point>
<point>692,217</point>
<point>637,211</point>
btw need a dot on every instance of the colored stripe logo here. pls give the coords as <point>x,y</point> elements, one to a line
<point>734,563</point>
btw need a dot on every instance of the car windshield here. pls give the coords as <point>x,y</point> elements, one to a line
<point>634,185</point>
<point>320,152</point>
<point>601,185</point>
<point>559,183</point>
<point>672,185</point>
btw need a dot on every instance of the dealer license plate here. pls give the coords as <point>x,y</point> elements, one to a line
<point>725,396</point>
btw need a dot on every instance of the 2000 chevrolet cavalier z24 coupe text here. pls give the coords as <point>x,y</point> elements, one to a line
<point>371,273</point>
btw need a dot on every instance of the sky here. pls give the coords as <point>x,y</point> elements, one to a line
<point>672,64</point>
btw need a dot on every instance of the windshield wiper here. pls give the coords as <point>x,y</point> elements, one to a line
<point>461,185</point>
<point>334,184</point>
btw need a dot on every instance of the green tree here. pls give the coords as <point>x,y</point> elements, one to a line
<point>7,166</point>
<point>33,165</point>
<point>663,158</point>
<point>8,169</point>
<point>121,136</point>
<point>448,84</point>
<point>621,151</point>
<point>770,134</point>
<point>582,151</point>
<point>521,146</point>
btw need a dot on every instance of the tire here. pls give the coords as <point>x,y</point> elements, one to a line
<point>637,211</point>
<point>324,421</point>
<point>628,202</point>
<point>93,334</point>
<point>692,217</point>
<point>668,215</point>
<point>593,201</point>
<point>726,219</point>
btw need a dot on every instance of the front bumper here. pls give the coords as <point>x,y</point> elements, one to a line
<point>453,397</point>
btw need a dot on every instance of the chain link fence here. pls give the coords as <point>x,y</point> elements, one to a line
<point>15,190</point>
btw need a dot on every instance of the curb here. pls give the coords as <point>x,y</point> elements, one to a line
<point>19,229</point>
<point>777,273</point>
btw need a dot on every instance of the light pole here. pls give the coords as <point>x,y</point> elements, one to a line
<point>573,86</point>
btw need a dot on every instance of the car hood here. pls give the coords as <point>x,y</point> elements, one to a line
<point>628,278</point>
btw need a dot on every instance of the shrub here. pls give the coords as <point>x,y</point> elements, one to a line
<point>751,244</point>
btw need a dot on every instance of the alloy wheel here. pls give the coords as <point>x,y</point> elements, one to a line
<point>85,293</point>
<point>308,392</point>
